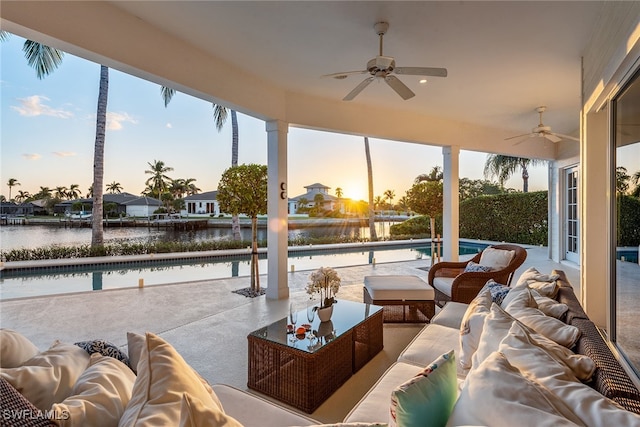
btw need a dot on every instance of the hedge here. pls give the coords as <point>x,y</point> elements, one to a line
<point>512,217</point>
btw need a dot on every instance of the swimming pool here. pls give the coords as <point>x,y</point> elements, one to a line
<point>67,279</point>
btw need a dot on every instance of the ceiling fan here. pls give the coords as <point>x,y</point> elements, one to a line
<point>383,67</point>
<point>543,131</point>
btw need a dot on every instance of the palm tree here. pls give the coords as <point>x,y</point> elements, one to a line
<point>90,192</point>
<point>378,201</point>
<point>74,191</point>
<point>435,175</point>
<point>178,188</point>
<point>503,167</point>
<point>372,219</point>
<point>114,188</point>
<point>12,183</point>
<point>60,192</point>
<point>191,187</point>
<point>44,193</point>
<point>159,181</point>
<point>45,60</point>
<point>622,180</point>
<point>302,203</point>
<point>220,114</point>
<point>339,196</point>
<point>390,195</point>
<point>636,180</point>
<point>22,196</point>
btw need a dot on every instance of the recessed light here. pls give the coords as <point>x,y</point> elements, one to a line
<point>423,81</point>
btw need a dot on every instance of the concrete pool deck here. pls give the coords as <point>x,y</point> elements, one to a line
<point>208,323</point>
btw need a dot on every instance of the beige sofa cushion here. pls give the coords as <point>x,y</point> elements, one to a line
<point>497,394</point>
<point>374,406</point>
<point>430,343</point>
<point>163,378</point>
<point>262,412</point>
<point>543,366</point>
<point>450,315</point>
<point>443,284</point>
<point>15,349</point>
<point>48,377</point>
<point>101,393</point>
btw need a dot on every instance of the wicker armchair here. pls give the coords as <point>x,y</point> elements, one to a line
<point>447,277</point>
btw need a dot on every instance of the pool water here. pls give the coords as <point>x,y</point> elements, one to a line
<point>15,284</point>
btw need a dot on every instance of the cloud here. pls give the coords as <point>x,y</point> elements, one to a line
<point>63,153</point>
<point>31,156</point>
<point>33,106</point>
<point>115,120</point>
<point>169,125</point>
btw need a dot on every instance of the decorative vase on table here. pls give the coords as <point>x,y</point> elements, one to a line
<point>324,314</point>
<point>326,282</point>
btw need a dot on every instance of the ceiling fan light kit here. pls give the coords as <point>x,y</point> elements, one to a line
<point>543,131</point>
<point>383,67</point>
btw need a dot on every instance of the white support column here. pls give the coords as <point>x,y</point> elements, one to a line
<point>277,205</point>
<point>451,205</point>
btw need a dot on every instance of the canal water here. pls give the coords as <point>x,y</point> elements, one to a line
<point>26,284</point>
<point>34,236</point>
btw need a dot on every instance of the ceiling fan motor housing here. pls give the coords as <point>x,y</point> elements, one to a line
<point>541,129</point>
<point>381,64</point>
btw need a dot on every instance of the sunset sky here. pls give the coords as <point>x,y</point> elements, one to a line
<point>48,132</point>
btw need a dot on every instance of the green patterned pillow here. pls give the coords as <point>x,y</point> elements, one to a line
<point>427,399</point>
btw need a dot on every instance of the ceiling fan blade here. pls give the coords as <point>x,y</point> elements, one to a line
<point>552,137</point>
<point>400,88</point>
<point>358,89</point>
<point>421,71</point>
<point>519,136</point>
<point>343,75</point>
<point>572,138</point>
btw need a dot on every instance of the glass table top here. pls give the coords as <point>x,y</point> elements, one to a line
<point>346,315</point>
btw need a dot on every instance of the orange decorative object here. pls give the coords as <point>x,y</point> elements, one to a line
<point>301,330</point>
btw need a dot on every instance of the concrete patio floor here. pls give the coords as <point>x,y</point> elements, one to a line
<point>208,323</point>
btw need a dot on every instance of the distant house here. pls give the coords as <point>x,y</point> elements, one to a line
<point>329,202</point>
<point>203,204</point>
<point>125,203</point>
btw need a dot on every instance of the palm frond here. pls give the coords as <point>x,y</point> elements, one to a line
<point>167,93</point>
<point>4,36</point>
<point>220,115</point>
<point>43,58</point>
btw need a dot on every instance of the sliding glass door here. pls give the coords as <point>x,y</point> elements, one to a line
<point>626,213</point>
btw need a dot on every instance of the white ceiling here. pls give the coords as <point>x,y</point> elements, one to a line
<point>503,58</point>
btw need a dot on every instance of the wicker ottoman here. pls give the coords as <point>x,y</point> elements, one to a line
<point>403,298</point>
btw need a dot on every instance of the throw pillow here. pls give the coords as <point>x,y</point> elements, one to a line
<point>104,348</point>
<point>15,349</point>
<point>498,394</point>
<point>193,413</point>
<point>163,377</point>
<point>542,366</point>
<point>428,398</point>
<point>48,377</point>
<point>522,295</point>
<point>550,327</point>
<point>498,291</point>
<point>545,284</point>
<point>497,327</point>
<point>101,393</point>
<point>549,306</point>
<point>496,258</point>
<point>471,326</point>
<point>473,267</point>
<point>135,342</point>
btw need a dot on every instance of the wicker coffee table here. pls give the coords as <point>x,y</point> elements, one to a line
<point>305,372</point>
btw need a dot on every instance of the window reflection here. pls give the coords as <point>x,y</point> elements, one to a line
<point>627,214</point>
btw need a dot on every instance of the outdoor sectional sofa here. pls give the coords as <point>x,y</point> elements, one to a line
<point>502,371</point>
